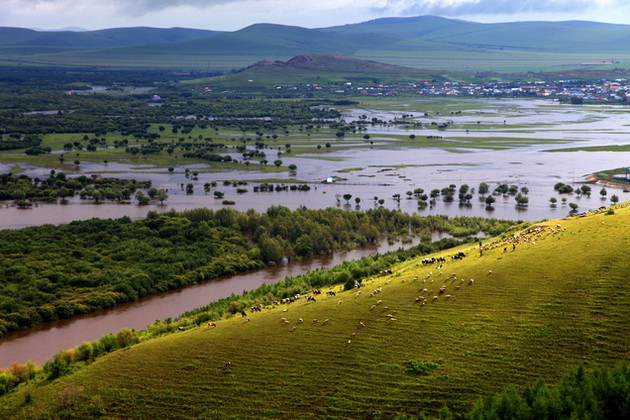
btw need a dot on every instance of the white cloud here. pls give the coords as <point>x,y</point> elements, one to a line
<point>235,14</point>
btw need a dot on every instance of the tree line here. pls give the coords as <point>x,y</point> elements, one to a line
<point>58,186</point>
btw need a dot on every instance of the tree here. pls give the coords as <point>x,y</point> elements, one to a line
<point>292,167</point>
<point>553,201</point>
<point>614,198</point>
<point>483,189</point>
<point>347,197</point>
<point>152,192</point>
<point>63,192</point>
<point>603,192</point>
<point>490,200</point>
<point>521,200</point>
<point>162,195</point>
<point>171,169</point>
<point>219,194</point>
<point>142,198</point>
<point>277,162</point>
<point>357,200</point>
<point>573,206</point>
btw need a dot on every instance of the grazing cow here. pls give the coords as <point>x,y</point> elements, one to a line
<point>211,324</point>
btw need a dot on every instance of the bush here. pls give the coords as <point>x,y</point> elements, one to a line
<point>84,351</point>
<point>6,382</point>
<point>125,338</point>
<point>601,393</point>
<point>109,342</point>
<point>420,367</point>
<point>56,368</point>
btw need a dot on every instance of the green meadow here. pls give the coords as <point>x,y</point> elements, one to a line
<point>536,303</point>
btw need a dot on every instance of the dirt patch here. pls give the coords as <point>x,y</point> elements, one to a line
<point>594,178</point>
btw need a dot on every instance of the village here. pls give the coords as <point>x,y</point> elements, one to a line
<point>574,91</point>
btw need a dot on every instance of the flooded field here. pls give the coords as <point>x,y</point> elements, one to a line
<point>503,141</point>
<point>494,141</point>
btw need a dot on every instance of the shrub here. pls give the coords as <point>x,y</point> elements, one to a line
<point>109,342</point>
<point>6,381</point>
<point>125,338</point>
<point>420,367</point>
<point>84,351</point>
<point>56,368</point>
<point>70,395</point>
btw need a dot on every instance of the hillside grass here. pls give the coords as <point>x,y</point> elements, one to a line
<point>558,299</point>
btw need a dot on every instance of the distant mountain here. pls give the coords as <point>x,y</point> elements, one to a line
<point>106,38</point>
<point>421,42</point>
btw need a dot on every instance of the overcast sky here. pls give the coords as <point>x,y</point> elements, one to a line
<point>230,15</point>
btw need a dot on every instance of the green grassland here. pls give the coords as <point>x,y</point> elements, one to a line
<point>608,148</point>
<point>559,298</point>
<point>426,42</point>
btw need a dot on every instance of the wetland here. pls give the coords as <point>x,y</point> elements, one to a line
<point>364,155</point>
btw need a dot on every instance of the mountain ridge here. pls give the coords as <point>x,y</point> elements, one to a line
<point>420,42</point>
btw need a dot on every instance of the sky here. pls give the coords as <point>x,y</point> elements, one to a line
<point>231,15</point>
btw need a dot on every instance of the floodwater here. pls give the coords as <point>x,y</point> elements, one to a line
<point>395,170</point>
<point>378,173</point>
<point>44,341</point>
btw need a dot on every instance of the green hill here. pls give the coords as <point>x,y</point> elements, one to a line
<point>320,69</point>
<point>541,301</point>
<point>421,42</point>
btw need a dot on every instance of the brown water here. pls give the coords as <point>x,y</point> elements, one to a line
<point>42,342</point>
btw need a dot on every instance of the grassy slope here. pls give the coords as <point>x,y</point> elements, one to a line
<point>554,302</point>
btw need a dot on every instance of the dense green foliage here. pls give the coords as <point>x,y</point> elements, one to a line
<point>57,185</point>
<point>50,272</point>
<point>597,394</point>
<point>45,112</point>
<point>18,142</point>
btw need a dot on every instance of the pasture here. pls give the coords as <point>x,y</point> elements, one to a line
<point>542,300</point>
